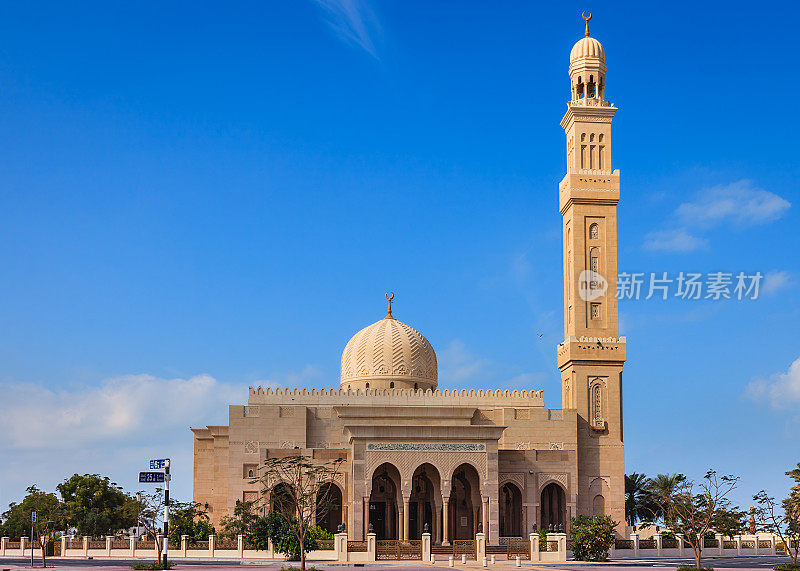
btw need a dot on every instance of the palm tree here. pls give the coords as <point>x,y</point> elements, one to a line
<point>660,491</point>
<point>636,496</point>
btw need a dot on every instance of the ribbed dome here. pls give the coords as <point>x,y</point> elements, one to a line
<point>389,354</point>
<point>587,47</point>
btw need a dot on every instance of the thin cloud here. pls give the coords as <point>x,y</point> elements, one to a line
<point>775,281</point>
<point>457,364</point>
<point>354,22</point>
<point>739,204</point>
<point>678,240</point>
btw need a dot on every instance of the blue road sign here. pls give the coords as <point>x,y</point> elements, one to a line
<point>33,517</point>
<point>159,464</point>
<point>151,477</point>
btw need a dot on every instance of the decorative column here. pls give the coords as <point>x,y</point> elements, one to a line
<point>185,545</point>
<point>426,547</point>
<point>406,518</point>
<point>365,512</point>
<point>659,544</point>
<point>240,546</point>
<point>372,547</point>
<point>485,515</point>
<point>534,539</point>
<point>720,544</point>
<point>86,546</point>
<point>635,539</point>
<point>445,520</point>
<point>109,539</point>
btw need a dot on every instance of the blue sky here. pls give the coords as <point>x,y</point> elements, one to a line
<point>194,200</point>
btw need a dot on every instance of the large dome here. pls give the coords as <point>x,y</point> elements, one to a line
<point>389,354</point>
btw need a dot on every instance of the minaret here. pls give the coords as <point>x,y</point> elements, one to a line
<point>591,357</point>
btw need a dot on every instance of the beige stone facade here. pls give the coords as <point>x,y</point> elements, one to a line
<point>456,462</point>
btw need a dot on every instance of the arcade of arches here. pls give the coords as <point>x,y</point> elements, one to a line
<point>450,512</point>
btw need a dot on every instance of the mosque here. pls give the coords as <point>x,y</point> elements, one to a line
<point>455,462</point>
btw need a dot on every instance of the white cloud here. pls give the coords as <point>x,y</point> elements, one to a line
<point>457,364</point>
<point>775,281</point>
<point>352,21</point>
<point>678,240</point>
<point>33,416</point>
<point>782,389</point>
<point>739,202</point>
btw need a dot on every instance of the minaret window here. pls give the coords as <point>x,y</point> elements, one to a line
<point>595,310</point>
<point>579,88</point>
<point>597,404</point>
<point>590,87</point>
<point>594,231</point>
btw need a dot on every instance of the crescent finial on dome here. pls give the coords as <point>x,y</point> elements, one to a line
<point>586,19</point>
<point>389,298</point>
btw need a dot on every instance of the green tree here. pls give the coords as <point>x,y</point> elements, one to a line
<point>784,521</point>
<point>240,523</point>
<point>281,531</point>
<point>636,498</point>
<point>190,519</point>
<point>95,506</point>
<point>592,537</point>
<point>49,517</point>
<point>729,520</point>
<point>659,493</point>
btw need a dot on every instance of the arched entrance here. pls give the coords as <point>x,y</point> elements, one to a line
<point>383,502</point>
<point>425,501</point>
<point>281,499</point>
<point>465,503</point>
<point>554,507</point>
<point>510,511</point>
<point>329,507</point>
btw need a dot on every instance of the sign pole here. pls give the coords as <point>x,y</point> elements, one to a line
<point>166,512</point>
<point>33,522</point>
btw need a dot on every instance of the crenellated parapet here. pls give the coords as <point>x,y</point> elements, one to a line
<point>396,397</point>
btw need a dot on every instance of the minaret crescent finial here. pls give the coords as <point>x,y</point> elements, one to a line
<point>586,19</point>
<point>389,298</point>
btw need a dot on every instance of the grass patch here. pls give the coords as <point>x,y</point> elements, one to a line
<point>153,565</point>
<point>693,568</point>
<point>308,568</point>
<point>787,567</point>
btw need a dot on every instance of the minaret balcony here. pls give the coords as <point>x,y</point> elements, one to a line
<point>589,102</point>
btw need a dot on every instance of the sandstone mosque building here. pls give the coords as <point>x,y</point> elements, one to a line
<point>469,460</point>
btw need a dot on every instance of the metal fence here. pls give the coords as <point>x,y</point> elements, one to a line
<point>357,546</point>
<point>466,547</point>
<point>518,548</point>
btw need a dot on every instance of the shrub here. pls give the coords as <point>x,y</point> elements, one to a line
<point>283,535</point>
<point>153,565</point>
<point>592,537</point>
<point>693,568</point>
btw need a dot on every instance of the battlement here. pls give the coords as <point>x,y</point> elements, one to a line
<point>396,397</point>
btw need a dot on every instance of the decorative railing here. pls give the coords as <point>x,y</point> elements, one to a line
<point>95,544</point>
<point>727,544</point>
<point>518,548</point>
<point>647,544</point>
<point>465,547</point>
<point>121,544</point>
<point>764,544</point>
<point>325,545</point>
<point>623,544</point>
<point>748,544</point>
<point>357,546</point>
<point>590,102</point>
<point>710,542</point>
<point>552,546</point>
<point>669,543</point>
<point>227,544</point>
<point>200,545</point>
<point>13,545</point>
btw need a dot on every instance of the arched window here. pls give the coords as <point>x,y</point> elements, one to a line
<point>591,137</point>
<point>249,473</point>
<point>598,505</point>
<point>579,88</point>
<point>415,386</point>
<point>597,404</point>
<point>594,231</point>
<point>590,87</point>
<point>600,137</point>
<point>391,385</point>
